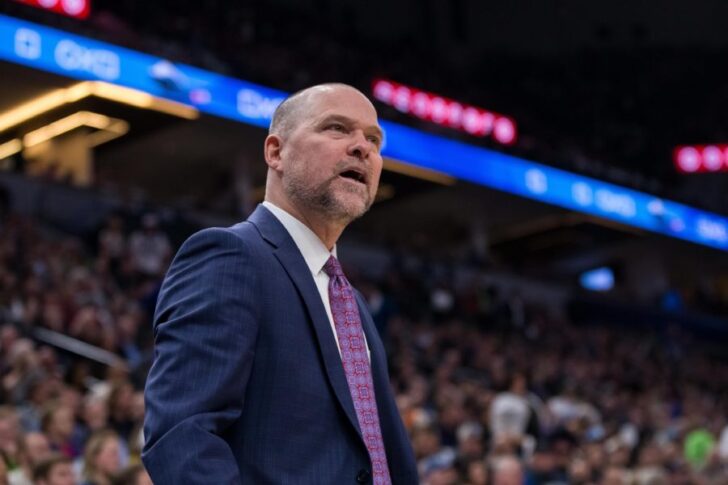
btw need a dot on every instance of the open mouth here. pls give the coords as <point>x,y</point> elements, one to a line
<point>354,175</point>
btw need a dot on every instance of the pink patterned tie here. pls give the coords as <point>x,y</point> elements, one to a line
<point>356,366</point>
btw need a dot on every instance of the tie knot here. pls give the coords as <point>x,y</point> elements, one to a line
<point>333,268</point>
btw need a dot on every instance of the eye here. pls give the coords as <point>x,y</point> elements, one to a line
<point>374,139</point>
<point>336,127</point>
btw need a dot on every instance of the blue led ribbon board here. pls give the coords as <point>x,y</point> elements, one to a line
<point>86,59</point>
<point>558,187</point>
<point>77,57</point>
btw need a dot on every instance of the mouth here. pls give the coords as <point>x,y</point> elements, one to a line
<point>354,175</point>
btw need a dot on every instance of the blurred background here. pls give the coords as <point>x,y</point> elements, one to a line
<point>546,259</point>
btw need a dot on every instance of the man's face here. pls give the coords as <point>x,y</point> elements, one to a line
<point>95,414</point>
<point>330,159</point>
<point>37,447</point>
<point>63,421</point>
<point>61,474</point>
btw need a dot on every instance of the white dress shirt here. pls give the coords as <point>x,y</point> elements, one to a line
<point>314,253</point>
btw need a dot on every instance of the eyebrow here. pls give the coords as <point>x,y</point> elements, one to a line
<point>374,129</point>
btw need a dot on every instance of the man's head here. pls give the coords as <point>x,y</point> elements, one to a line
<point>57,422</point>
<point>33,447</point>
<point>507,470</point>
<point>323,154</point>
<point>55,470</point>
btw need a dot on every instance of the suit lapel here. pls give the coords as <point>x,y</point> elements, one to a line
<point>292,261</point>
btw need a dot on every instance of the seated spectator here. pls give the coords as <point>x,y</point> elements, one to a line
<point>580,472</point>
<point>120,406</point>
<point>476,472</point>
<point>439,469</point>
<point>58,424</point>
<point>33,448</point>
<point>54,470</point>
<point>101,458</point>
<point>9,436</point>
<point>112,244</point>
<point>470,441</point>
<point>94,417</point>
<point>150,248</point>
<point>23,371</point>
<point>507,470</point>
<point>614,475</point>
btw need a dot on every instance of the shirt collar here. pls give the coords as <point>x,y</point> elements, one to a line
<point>312,248</point>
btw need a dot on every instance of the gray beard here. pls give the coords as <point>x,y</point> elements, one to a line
<point>321,199</point>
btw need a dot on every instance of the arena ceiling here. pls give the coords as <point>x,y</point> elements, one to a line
<point>176,159</point>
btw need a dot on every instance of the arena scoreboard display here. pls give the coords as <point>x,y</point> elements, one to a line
<point>79,9</point>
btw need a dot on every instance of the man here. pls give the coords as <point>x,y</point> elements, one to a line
<point>268,368</point>
<point>54,470</point>
<point>507,470</point>
<point>33,447</point>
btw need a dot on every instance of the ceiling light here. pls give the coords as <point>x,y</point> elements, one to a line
<point>59,97</point>
<point>98,121</point>
<point>10,148</point>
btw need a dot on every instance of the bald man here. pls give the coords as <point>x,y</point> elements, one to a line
<point>268,368</point>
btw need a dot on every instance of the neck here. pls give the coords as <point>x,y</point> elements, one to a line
<point>327,230</point>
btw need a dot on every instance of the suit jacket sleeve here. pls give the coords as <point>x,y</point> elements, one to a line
<point>204,330</point>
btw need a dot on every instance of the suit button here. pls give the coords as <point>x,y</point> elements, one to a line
<point>363,476</point>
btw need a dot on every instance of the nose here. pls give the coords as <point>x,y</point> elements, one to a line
<point>359,146</point>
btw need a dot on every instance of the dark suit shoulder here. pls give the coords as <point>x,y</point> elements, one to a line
<point>242,237</point>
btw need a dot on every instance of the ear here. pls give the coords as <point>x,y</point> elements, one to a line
<point>272,148</point>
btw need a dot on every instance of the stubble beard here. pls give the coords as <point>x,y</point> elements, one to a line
<point>322,198</point>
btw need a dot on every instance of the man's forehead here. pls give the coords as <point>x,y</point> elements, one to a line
<point>339,99</point>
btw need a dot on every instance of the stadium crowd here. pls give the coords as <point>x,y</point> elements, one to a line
<point>493,390</point>
<point>63,419</point>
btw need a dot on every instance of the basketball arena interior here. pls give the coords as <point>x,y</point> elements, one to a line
<point>546,260</point>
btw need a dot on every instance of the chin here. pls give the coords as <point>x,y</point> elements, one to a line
<point>352,212</point>
<point>350,203</point>
<point>348,209</point>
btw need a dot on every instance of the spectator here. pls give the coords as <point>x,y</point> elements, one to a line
<point>477,472</point>
<point>621,402</point>
<point>510,412</point>
<point>507,470</point>
<point>94,417</point>
<point>55,470</point>
<point>9,436</point>
<point>101,458</point>
<point>57,424</point>
<point>120,404</point>
<point>112,244</point>
<point>614,475</point>
<point>150,248</point>
<point>33,448</point>
<point>23,363</point>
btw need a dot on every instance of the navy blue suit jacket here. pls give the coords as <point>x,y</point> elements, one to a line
<point>247,384</point>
